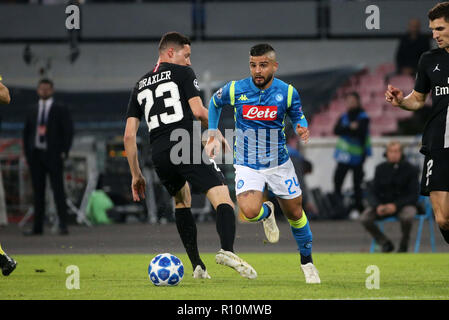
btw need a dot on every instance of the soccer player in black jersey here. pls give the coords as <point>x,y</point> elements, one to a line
<point>167,97</point>
<point>7,264</point>
<point>433,75</point>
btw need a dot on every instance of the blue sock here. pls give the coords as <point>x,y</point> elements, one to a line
<point>303,236</point>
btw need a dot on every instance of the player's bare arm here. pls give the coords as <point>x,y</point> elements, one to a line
<point>201,113</point>
<point>213,144</point>
<point>4,94</point>
<point>129,141</point>
<point>414,101</point>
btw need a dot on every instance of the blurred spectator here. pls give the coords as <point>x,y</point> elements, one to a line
<point>47,139</point>
<point>394,193</point>
<point>411,46</point>
<point>353,146</point>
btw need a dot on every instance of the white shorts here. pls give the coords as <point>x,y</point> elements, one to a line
<point>281,180</point>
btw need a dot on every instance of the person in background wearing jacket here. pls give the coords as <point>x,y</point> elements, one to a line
<point>353,146</point>
<point>395,193</point>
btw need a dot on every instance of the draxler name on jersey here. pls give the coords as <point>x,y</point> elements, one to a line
<point>154,79</point>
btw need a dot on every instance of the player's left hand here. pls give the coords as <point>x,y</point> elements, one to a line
<point>138,188</point>
<point>212,147</point>
<point>224,144</point>
<point>303,133</point>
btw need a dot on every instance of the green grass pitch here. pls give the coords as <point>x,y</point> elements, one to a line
<point>343,276</point>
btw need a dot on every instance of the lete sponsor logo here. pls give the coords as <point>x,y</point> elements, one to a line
<point>261,113</point>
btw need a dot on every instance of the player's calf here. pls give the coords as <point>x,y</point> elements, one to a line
<point>443,224</point>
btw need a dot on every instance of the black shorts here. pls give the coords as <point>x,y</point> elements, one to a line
<point>435,175</point>
<point>201,177</point>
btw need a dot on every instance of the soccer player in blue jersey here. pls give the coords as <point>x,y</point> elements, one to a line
<point>261,103</point>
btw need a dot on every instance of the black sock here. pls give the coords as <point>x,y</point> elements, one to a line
<point>185,223</point>
<point>226,226</point>
<point>306,259</point>
<point>445,234</point>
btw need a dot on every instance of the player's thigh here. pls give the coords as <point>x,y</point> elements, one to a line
<point>440,205</point>
<point>435,174</point>
<point>202,177</point>
<point>250,202</point>
<point>168,173</point>
<point>183,198</point>
<point>283,181</point>
<point>292,208</point>
<point>219,195</point>
<point>249,187</point>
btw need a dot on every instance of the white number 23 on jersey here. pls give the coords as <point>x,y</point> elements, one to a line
<point>172,101</point>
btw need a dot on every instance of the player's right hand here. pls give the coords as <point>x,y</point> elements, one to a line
<point>394,96</point>
<point>138,188</point>
<point>212,147</point>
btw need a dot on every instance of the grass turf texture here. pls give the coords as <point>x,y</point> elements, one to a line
<point>343,276</point>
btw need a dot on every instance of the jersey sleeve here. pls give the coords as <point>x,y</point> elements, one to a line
<point>422,83</point>
<point>190,85</point>
<point>216,103</point>
<point>294,109</point>
<point>134,108</point>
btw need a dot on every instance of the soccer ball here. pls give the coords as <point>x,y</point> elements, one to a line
<point>166,270</point>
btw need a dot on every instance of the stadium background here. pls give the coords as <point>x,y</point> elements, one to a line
<point>323,48</point>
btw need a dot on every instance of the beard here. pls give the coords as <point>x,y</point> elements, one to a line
<point>264,83</point>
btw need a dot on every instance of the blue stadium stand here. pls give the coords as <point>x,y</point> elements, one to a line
<point>428,215</point>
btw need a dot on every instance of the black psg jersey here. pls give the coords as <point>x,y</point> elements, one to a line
<point>161,97</point>
<point>433,75</point>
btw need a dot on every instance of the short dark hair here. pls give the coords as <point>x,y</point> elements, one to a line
<point>173,38</point>
<point>440,10</point>
<point>356,95</point>
<point>45,80</point>
<point>260,49</point>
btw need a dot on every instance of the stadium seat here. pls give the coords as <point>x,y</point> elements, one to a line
<point>428,215</point>
<point>375,83</point>
<point>403,82</point>
<point>337,106</point>
<point>374,111</point>
<point>385,68</point>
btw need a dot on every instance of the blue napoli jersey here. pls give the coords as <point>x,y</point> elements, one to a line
<point>259,115</point>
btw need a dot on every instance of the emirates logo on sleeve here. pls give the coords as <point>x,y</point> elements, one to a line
<point>260,113</point>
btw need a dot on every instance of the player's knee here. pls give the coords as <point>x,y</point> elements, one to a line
<point>183,202</point>
<point>442,222</point>
<point>250,212</point>
<point>295,213</point>
<point>293,210</point>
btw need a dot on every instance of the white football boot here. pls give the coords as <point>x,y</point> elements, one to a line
<point>227,258</point>
<point>311,273</point>
<point>199,273</point>
<point>269,225</point>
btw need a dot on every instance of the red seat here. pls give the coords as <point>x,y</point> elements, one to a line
<point>385,68</point>
<point>403,82</point>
